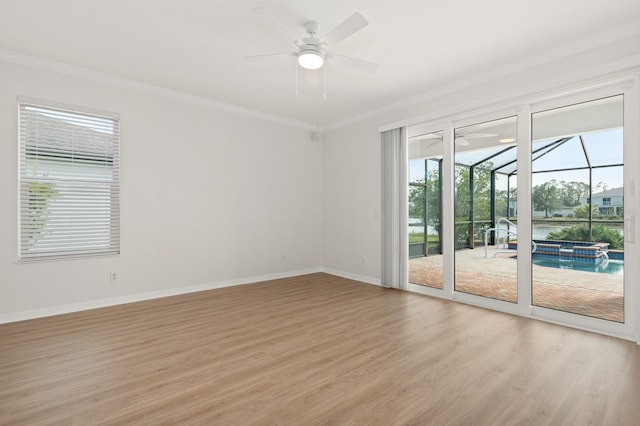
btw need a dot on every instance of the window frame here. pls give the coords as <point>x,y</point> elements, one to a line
<point>80,185</point>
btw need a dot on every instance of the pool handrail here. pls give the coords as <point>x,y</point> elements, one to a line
<point>507,229</point>
<point>497,230</point>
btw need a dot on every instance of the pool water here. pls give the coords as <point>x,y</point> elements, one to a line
<point>614,267</point>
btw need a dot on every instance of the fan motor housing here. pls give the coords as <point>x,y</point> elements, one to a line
<point>311,27</point>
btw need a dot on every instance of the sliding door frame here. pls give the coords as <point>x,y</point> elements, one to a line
<point>499,305</point>
<point>447,221</point>
<point>627,85</point>
<point>628,329</point>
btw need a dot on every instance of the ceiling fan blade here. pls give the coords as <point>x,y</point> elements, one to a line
<point>354,63</point>
<point>284,32</point>
<point>352,24</point>
<point>269,55</point>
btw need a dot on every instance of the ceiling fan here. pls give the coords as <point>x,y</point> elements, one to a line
<point>313,50</point>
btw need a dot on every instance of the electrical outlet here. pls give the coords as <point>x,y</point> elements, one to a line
<point>114,277</point>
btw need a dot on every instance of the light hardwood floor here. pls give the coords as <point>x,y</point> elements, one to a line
<point>315,349</point>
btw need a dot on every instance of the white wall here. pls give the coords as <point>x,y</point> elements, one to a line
<point>351,202</point>
<point>207,197</point>
<point>352,180</point>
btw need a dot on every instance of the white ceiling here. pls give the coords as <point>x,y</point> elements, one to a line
<point>197,46</point>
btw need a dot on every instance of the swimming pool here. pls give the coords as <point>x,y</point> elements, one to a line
<point>614,267</point>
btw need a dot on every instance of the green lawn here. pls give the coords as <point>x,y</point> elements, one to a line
<point>419,238</point>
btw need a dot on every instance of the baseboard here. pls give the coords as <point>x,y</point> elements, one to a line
<point>139,297</point>
<point>349,275</point>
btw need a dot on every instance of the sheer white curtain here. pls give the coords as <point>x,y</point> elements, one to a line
<point>394,208</point>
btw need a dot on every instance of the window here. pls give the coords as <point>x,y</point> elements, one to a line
<point>69,182</point>
<point>606,201</point>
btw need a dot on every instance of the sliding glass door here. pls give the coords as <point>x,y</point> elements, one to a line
<point>485,210</point>
<point>578,209</point>
<point>425,209</point>
<point>529,212</point>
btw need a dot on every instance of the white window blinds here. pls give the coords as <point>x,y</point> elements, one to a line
<point>69,183</point>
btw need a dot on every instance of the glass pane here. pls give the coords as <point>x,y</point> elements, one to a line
<point>462,208</point>
<point>470,158</point>
<point>607,197</point>
<point>604,148</point>
<point>558,194</point>
<point>434,208</point>
<point>564,155</point>
<point>578,259</point>
<point>485,213</point>
<point>416,171</point>
<point>505,162</point>
<point>425,211</point>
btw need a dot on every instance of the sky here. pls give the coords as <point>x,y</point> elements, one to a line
<point>603,148</point>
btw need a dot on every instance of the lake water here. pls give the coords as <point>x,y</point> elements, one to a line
<point>539,232</point>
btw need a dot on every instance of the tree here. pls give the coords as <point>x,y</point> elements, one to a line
<point>481,192</point>
<point>546,197</point>
<point>581,212</point>
<point>433,198</point>
<point>429,187</point>
<point>416,202</point>
<point>40,196</point>
<point>562,189</point>
<point>417,194</point>
<point>573,192</point>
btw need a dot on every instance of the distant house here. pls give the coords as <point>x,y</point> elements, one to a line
<point>609,202</point>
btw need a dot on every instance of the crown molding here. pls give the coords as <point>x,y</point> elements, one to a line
<point>597,40</point>
<point>120,82</point>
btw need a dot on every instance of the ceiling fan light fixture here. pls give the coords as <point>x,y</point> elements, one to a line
<point>310,59</point>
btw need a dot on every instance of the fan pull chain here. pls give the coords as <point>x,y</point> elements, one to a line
<point>297,91</point>
<point>324,81</point>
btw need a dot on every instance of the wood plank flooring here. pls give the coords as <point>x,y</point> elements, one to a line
<point>315,349</point>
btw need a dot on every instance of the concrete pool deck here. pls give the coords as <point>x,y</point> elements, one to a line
<point>592,294</point>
